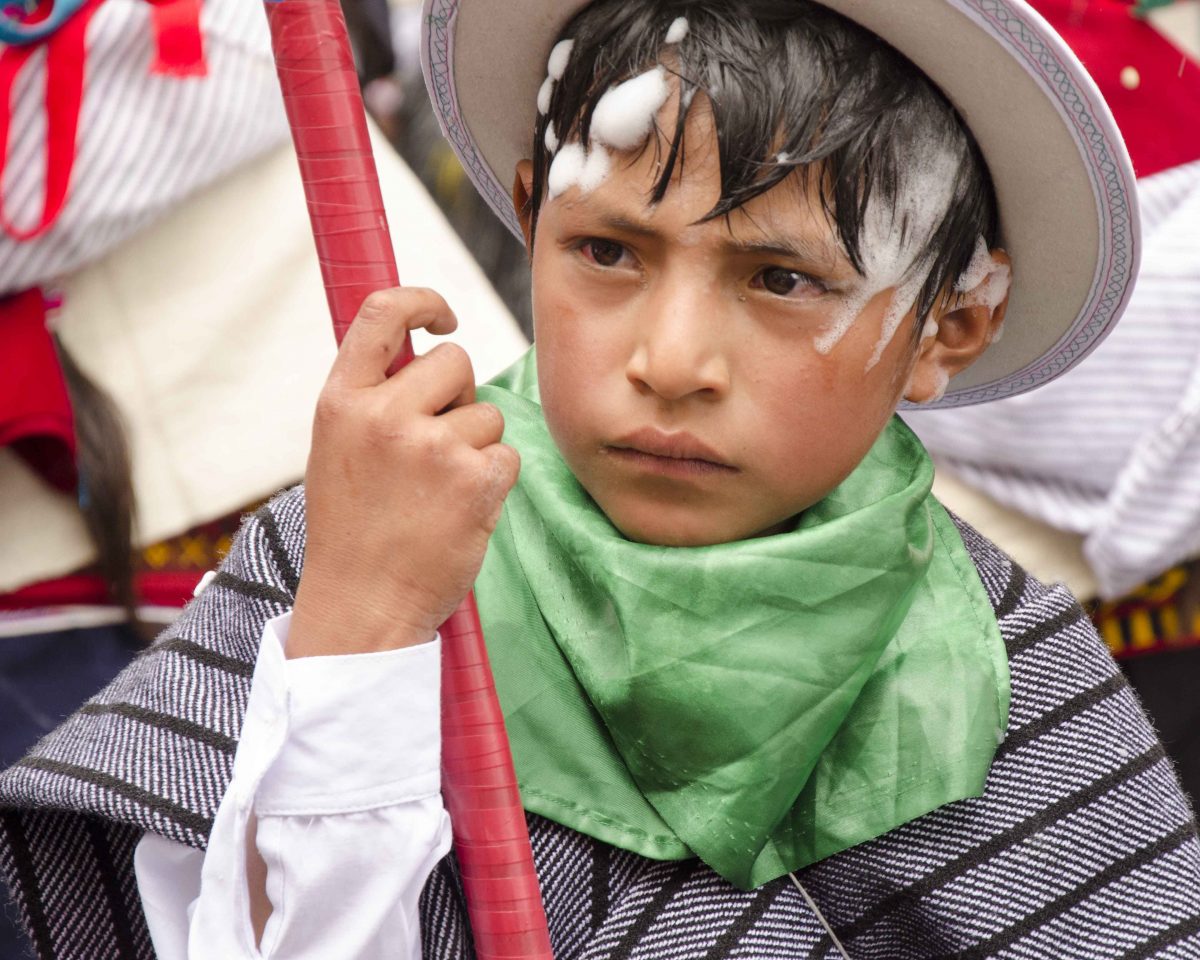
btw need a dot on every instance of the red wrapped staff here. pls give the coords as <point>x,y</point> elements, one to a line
<point>324,109</point>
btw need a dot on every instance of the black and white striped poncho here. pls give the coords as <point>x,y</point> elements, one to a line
<point>1083,846</point>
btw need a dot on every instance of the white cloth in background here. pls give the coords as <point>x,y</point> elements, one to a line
<point>339,758</point>
<point>146,141</point>
<point>1111,450</point>
<point>211,332</point>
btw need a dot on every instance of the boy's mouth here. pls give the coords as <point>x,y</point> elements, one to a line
<point>673,454</point>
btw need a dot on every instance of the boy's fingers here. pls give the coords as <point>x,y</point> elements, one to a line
<point>441,379</point>
<point>377,334</point>
<point>506,465</point>
<point>477,424</point>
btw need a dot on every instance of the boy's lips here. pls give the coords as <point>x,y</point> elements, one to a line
<point>673,454</point>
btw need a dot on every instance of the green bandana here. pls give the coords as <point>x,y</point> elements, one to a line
<point>760,704</point>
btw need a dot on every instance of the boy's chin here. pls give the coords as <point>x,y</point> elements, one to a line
<point>682,527</point>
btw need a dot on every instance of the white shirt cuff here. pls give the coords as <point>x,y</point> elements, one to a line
<point>341,734</point>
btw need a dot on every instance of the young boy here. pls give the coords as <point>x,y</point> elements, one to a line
<point>766,699</point>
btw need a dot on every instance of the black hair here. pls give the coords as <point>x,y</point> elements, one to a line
<point>794,86</point>
<point>106,484</point>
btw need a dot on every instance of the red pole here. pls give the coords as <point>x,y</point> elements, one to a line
<point>324,108</point>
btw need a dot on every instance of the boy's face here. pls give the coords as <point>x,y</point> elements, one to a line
<point>677,361</point>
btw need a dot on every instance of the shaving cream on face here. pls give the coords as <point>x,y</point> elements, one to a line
<point>559,56</point>
<point>625,114</point>
<point>677,30</point>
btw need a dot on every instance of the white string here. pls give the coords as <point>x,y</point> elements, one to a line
<point>820,916</point>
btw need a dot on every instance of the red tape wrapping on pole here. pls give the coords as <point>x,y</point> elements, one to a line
<point>324,108</point>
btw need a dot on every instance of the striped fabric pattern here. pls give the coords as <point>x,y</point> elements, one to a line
<point>1112,449</point>
<point>146,142</point>
<point>1082,847</point>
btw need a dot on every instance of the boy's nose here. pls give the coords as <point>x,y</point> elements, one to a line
<point>679,352</point>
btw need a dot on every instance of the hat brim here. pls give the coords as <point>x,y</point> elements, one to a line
<point>1062,175</point>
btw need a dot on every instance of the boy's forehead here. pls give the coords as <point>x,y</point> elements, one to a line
<point>790,219</point>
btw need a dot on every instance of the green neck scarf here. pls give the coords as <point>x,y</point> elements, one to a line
<point>760,704</point>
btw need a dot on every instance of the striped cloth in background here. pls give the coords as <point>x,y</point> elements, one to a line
<point>1112,449</point>
<point>145,141</point>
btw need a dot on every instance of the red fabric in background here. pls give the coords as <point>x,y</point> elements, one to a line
<point>167,588</point>
<point>35,408</point>
<point>1160,117</point>
<point>178,41</point>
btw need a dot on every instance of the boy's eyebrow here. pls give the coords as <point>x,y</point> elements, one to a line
<point>805,249</point>
<point>622,224</point>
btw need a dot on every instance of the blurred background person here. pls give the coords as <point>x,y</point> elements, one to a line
<point>163,329</point>
<point>1094,480</point>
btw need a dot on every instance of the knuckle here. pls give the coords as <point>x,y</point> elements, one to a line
<point>435,447</point>
<point>379,305</point>
<point>498,474</point>
<point>331,406</point>
<point>493,419</point>
<point>456,359</point>
<point>379,422</point>
<point>510,463</point>
<point>430,299</point>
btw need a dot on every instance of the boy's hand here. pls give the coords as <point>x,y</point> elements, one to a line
<point>405,482</point>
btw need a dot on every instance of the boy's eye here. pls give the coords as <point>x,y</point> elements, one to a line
<point>604,253</point>
<point>783,282</point>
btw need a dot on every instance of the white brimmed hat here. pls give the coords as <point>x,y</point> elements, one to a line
<point>1063,180</point>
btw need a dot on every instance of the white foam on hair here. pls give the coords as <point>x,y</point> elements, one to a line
<point>985,282</point>
<point>994,288</point>
<point>677,30</point>
<point>891,243</point>
<point>625,114</point>
<point>544,93</point>
<point>930,329</point>
<point>551,138</point>
<point>977,269</point>
<point>576,167</point>
<point>556,66</point>
<point>783,158</point>
<point>566,170</point>
<point>595,168</point>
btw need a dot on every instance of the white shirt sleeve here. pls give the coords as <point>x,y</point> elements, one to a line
<point>339,761</point>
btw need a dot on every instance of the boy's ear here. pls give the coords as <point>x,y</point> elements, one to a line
<point>522,197</point>
<point>959,329</point>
